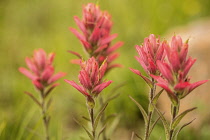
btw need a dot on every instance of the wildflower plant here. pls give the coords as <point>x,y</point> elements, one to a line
<point>151,51</point>
<point>41,73</point>
<point>96,38</point>
<point>91,85</point>
<point>175,81</point>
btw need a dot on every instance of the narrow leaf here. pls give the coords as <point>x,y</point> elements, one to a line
<point>89,134</point>
<point>153,125</point>
<point>101,131</point>
<point>179,118</point>
<point>179,130</point>
<point>33,98</point>
<point>85,118</point>
<point>155,99</point>
<point>99,116</point>
<point>138,136</point>
<point>143,112</point>
<point>132,135</point>
<point>165,124</point>
<point>113,97</point>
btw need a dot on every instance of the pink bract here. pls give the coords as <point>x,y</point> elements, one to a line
<point>41,70</point>
<point>90,78</point>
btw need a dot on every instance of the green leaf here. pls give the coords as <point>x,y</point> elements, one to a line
<point>101,131</point>
<point>179,117</point>
<point>138,136</point>
<point>155,99</point>
<point>99,116</point>
<point>85,118</point>
<point>143,112</point>
<point>89,134</point>
<point>33,98</point>
<point>179,130</point>
<point>153,125</point>
<point>165,124</point>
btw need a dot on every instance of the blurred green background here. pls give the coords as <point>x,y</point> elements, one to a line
<point>30,24</point>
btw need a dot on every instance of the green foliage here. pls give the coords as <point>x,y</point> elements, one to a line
<point>30,24</point>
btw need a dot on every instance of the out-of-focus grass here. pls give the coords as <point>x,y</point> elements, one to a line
<point>30,24</point>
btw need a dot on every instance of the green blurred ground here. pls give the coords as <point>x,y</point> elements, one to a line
<point>30,24</point>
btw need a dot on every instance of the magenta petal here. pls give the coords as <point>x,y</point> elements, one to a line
<point>80,25</point>
<point>77,34</point>
<point>147,80</point>
<point>47,73</point>
<point>38,85</point>
<point>78,87</point>
<point>51,57</point>
<point>114,47</point>
<point>100,87</point>
<point>76,54</point>
<point>166,71</point>
<point>31,65</point>
<point>56,77</point>
<point>196,84</point>
<point>107,39</point>
<point>27,73</point>
<point>181,86</point>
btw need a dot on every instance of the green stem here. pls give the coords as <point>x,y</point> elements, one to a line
<point>150,112</point>
<point>91,114</point>
<point>103,118</point>
<point>174,113</point>
<point>45,117</point>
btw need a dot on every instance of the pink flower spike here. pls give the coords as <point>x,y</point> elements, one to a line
<point>56,77</point>
<point>27,73</point>
<point>78,87</point>
<point>100,87</point>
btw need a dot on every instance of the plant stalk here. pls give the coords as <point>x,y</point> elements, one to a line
<point>45,117</point>
<point>150,112</point>
<point>174,113</point>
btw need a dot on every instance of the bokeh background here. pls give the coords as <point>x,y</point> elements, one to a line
<point>26,25</point>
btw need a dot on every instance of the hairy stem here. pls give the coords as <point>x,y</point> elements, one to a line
<point>91,114</point>
<point>174,113</point>
<point>45,117</point>
<point>150,112</point>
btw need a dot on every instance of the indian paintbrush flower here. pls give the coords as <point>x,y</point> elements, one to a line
<point>96,38</point>
<point>90,78</point>
<point>174,71</point>
<point>41,70</point>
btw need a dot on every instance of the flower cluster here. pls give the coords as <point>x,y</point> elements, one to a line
<point>41,70</point>
<point>151,51</point>
<point>174,71</point>
<point>96,38</point>
<point>90,78</point>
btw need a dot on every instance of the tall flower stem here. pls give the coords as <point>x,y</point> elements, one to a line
<point>174,113</point>
<point>150,111</point>
<point>45,116</point>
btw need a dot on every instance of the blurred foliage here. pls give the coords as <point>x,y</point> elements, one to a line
<point>30,24</point>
